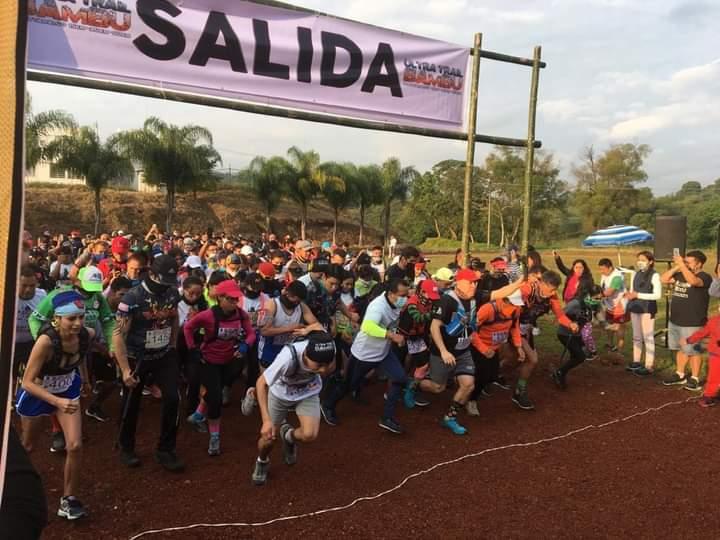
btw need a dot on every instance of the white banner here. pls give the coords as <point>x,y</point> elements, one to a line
<point>255,53</point>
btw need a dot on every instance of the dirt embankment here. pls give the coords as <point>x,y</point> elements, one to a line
<point>231,209</point>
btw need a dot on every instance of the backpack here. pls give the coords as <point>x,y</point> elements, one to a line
<point>83,347</point>
<point>498,316</point>
<point>461,319</point>
<point>217,314</point>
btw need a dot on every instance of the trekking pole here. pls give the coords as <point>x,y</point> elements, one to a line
<point>126,404</point>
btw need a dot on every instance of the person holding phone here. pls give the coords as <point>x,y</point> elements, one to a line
<point>51,384</point>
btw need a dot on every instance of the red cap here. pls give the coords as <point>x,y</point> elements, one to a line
<point>120,245</point>
<point>499,264</point>
<point>430,288</point>
<point>466,275</point>
<point>266,270</point>
<point>228,288</point>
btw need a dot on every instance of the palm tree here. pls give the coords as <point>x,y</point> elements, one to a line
<point>82,152</point>
<point>40,127</point>
<point>338,188</point>
<point>269,179</point>
<point>395,183</point>
<point>177,157</point>
<point>306,181</point>
<point>368,192</point>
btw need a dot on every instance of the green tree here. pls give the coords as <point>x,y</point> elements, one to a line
<point>39,129</point>
<point>607,192</point>
<point>176,157</point>
<point>368,192</point>
<point>338,188</point>
<point>269,179</point>
<point>306,181</point>
<point>82,152</point>
<point>395,181</point>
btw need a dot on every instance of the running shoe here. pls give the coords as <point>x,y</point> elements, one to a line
<point>633,366</point>
<point>486,392</point>
<point>169,461</point>
<point>226,396</point>
<point>260,472</point>
<point>391,425</point>
<point>675,380</point>
<point>248,402</point>
<point>420,401</point>
<point>409,396</point>
<point>197,422</point>
<point>129,459</point>
<point>58,442</point>
<point>451,423</point>
<point>71,508</point>
<point>214,446</point>
<point>521,399</point>
<point>707,401</point>
<point>693,385</point>
<point>289,448</point>
<point>329,416</point>
<point>559,379</point>
<point>471,408</point>
<point>146,391</point>
<point>500,382</point>
<point>96,412</point>
<point>642,371</point>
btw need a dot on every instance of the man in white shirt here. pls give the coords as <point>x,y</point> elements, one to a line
<point>29,297</point>
<point>292,383</point>
<point>372,349</point>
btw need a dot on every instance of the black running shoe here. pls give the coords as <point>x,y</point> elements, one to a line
<point>58,442</point>
<point>169,461</point>
<point>129,459</point>
<point>329,416</point>
<point>693,385</point>
<point>559,379</point>
<point>501,383</point>
<point>96,412</point>
<point>675,380</point>
<point>71,508</point>
<point>391,425</point>
<point>521,399</point>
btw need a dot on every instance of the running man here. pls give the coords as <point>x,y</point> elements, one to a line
<point>292,383</point>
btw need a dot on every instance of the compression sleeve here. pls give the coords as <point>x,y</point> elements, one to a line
<point>373,329</point>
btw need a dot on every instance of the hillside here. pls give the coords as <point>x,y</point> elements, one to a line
<point>64,208</point>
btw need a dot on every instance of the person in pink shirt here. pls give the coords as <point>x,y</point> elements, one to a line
<point>229,334</point>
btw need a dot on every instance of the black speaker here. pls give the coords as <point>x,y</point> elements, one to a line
<point>670,233</point>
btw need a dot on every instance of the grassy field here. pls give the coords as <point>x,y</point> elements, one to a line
<point>547,340</point>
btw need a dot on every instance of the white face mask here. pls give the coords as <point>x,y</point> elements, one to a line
<point>642,265</point>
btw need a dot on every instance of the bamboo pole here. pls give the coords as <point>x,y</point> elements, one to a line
<point>530,146</point>
<point>470,154</point>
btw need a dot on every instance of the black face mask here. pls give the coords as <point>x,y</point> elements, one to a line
<point>278,267</point>
<point>252,295</point>
<point>285,301</point>
<point>155,287</point>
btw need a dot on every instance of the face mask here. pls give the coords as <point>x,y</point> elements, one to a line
<point>642,265</point>
<point>287,302</point>
<point>278,267</point>
<point>155,287</point>
<point>97,258</point>
<point>135,282</point>
<point>400,302</point>
<point>377,260</point>
<point>252,294</point>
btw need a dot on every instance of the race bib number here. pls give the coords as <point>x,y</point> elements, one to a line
<point>299,390</point>
<point>282,339</point>
<point>416,346</point>
<point>57,384</point>
<point>462,344</point>
<point>157,339</point>
<point>498,338</point>
<point>525,330</point>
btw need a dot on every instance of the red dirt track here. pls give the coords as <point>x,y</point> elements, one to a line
<point>653,476</point>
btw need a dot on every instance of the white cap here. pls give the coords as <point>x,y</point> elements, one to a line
<point>246,250</point>
<point>193,261</point>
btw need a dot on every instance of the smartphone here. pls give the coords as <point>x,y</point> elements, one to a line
<point>676,252</point>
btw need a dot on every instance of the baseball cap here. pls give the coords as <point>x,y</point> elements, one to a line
<point>234,258</point>
<point>498,263</point>
<point>444,274</point>
<point>120,245</point>
<point>266,270</point>
<point>320,348</point>
<point>189,242</point>
<point>165,269</point>
<point>246,250</point>
<point>466,275</point>
<point>253,281</point>
<point>303,244</point>
<point>229,288</point>
<point>193,261</point>
<point>430,288</point>
<point>91,279</point>
<point>68,303</point>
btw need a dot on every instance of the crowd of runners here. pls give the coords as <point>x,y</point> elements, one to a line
<point>300,327</point>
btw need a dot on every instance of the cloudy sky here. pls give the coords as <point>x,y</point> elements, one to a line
<point>641,71</point>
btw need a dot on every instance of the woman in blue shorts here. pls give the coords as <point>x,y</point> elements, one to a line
<point>51,385</point>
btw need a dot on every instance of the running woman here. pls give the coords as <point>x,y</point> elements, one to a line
<point>228,335</point>
<point>292,383</point>
<point>51,385</point>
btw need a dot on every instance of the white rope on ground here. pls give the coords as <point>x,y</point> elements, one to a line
<point>416,475</point>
